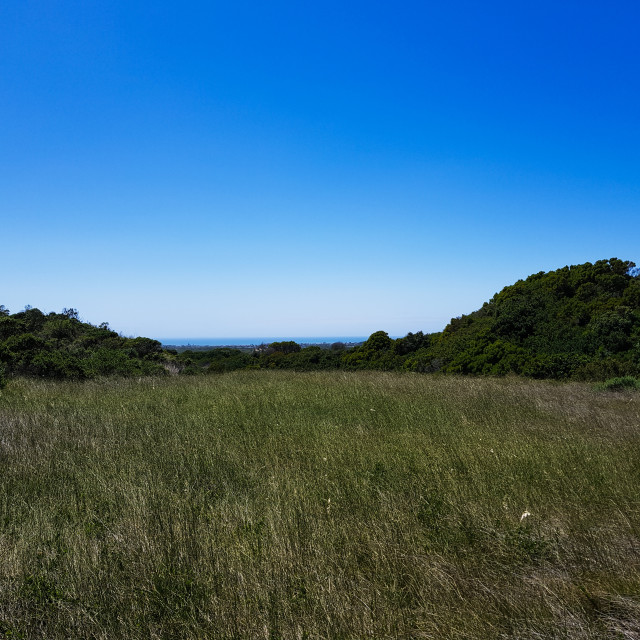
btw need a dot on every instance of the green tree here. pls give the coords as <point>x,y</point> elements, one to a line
<point>378,341</point>
<point>285,347</point>
<point>145,347</point>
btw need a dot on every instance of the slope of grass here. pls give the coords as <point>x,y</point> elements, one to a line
<point>267,504</point>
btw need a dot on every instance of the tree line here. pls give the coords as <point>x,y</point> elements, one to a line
<point>59,345</point>
<point>578,322</point>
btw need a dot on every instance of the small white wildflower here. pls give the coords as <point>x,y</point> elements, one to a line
<point>324,459</point>
<point>371,409</point>
<point>526,514</point>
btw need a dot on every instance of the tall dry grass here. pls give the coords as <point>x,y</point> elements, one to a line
<point>319,505</point>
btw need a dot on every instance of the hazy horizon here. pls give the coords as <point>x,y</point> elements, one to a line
<point>252,340</point>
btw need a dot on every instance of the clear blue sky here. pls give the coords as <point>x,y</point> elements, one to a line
<point>288,168</point>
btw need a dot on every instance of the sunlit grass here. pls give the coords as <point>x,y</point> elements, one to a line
<point>318,505</point>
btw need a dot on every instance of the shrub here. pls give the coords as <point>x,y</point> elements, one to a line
<point>56,364</point>
<point>9,327</point>
<point>285,347</point>
<point>619,384</point>
<point>112,362</point>
<point>61,329</point>
<point>144,347</point>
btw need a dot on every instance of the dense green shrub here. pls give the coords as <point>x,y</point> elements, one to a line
<point>286,347</point>
<point>108,362</point>
<point>579,322</point>
<point>10,327</point>
<point>378,352</point>
<point>620,384</point>
<point>314,358</point>
<point>422,361</point>
<point>144,346</point>
<point>62,328</point>
<point>56,364</point>
<point>60,346</point>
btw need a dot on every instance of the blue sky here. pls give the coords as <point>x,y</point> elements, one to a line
<point>285,168</point>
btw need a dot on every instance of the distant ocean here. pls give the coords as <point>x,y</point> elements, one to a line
<point>223,342</point>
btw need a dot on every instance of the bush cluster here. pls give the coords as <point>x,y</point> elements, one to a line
<point>60,346</point>
<point>580,322</point>
<point>620,384</point>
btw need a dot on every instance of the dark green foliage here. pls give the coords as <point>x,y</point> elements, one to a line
<point>62,329</point>
<point>219,360</point>
<point>71,313</point>
<point>55,364</point>
<point>312,358</point>
<point>577,322</point>
<point>9,327</point>
<point>223,360</point>
<point>412,342</point>
<point>145,347</point>
<point>378,342</point>
<point>422,361</point>
<point>315,358</point>
<point>60,346</point>
<point>285,347</point>
<point>33,319</point>
<point>378,352</point>
<point>278,355</point>
<point>108,362</point>
<point>99,336</point>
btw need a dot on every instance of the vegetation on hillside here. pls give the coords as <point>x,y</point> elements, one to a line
<point>581,321</point>
<point>59,345</point>
<point>267,504</point>
<point>578,322</point>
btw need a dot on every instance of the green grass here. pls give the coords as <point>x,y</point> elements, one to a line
<point>280,505</point>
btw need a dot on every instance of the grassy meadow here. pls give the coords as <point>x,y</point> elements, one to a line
<point>277,505</point>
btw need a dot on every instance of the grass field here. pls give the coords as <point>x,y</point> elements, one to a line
<point>276,505</point>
